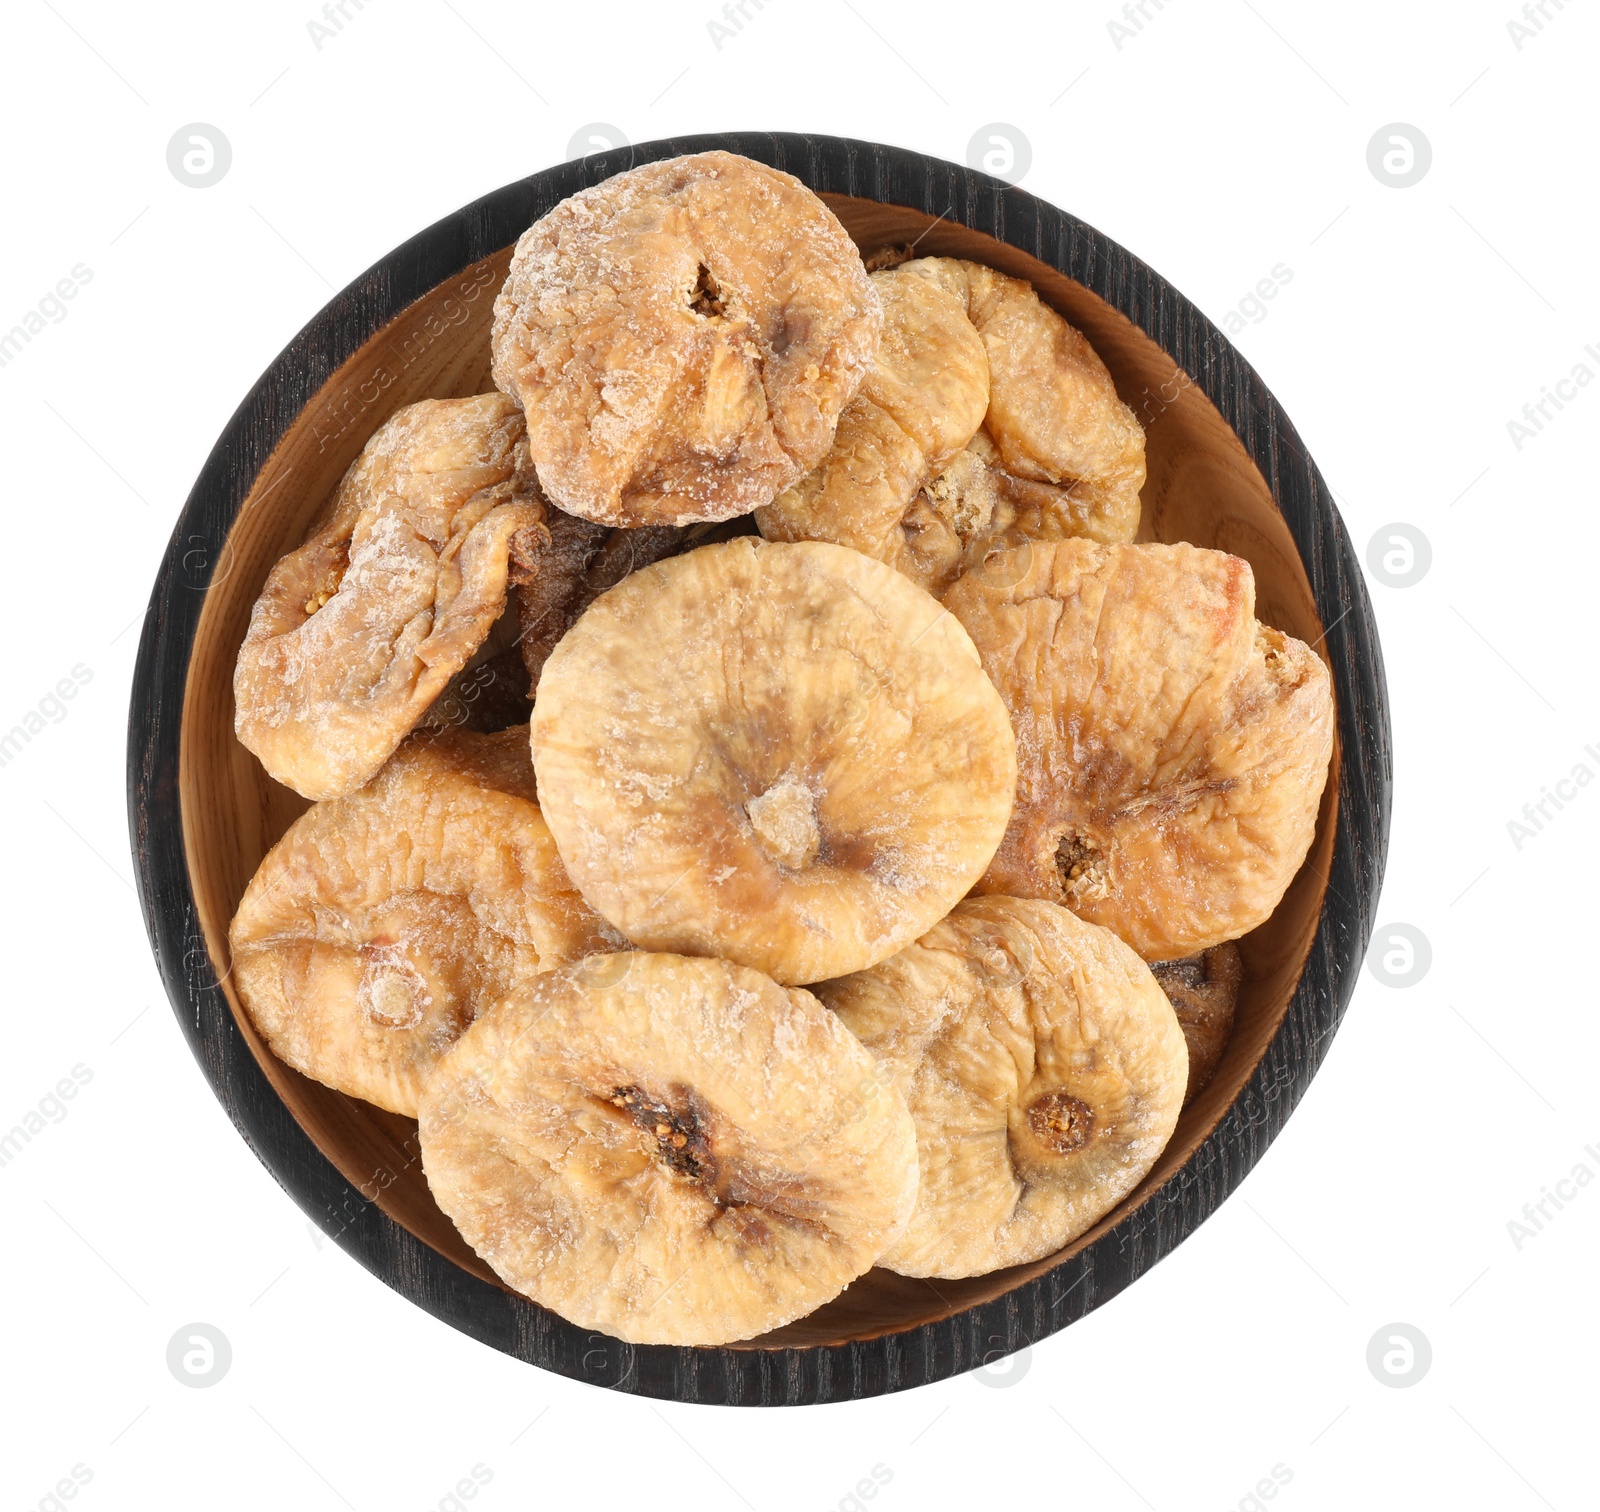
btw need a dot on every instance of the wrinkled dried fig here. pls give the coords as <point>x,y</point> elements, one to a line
<point>1054,416</point>
<point>359,630</point>
<point>670,1150</point>
<point>1171,750</point>
<point>912,478</point>
<point>922,400</point>
<point>683,337</point>
<point>1203,991</point>
<point>786,755</point>
<point>1044,1070</point>
<point>381,923</point>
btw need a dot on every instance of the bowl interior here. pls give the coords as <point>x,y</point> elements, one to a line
<point>1202,487</point>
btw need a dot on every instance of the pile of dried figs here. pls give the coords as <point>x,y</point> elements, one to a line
<point>770,819</point>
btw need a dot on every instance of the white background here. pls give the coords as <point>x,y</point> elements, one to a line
<point>1220,139</point>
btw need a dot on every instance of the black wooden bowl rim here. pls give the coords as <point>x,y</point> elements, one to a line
<point>983,1333</point>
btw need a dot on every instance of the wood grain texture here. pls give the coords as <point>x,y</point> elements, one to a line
<point>1226,470</point>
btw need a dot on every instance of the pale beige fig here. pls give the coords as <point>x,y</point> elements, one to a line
<point>1171,750</point>
<point>976,509</point>
<point>359,630</point>
<point>1054,416</point>
<point>683,337</point>
<point>785,755</point>
<point>986,420</point>
<point>383,922</point>
<point>1204,992</point>
<point>1044,1070</point>
<point>668,1150</point>
<point>921,403</point>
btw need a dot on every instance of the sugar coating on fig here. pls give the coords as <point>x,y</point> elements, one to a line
<point>668,1150</point>
<point>683,337</point>
<point>1044,1070</point>
<point>358,631</point>
<point>986,420</point>
<point>785,755</point>
<point>382,922</point>
<point>1171,750</point>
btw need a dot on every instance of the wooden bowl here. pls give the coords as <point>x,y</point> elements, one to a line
<point>1226,469</point>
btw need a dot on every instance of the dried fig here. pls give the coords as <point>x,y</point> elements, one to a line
<point>383,922</point>
<point>359,630</point>
<point>1203,990</point>
<point>786,755</point>
<point>912,478</point>
<point>1172,751</point>
<point>1044,1070</point>
<point>683,337</point>
<point>1054,416</point>
<point>670,1150</point>
<point>921,402</point>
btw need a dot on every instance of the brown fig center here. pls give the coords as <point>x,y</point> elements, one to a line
<point>1060,1121</point>
<point>328,580</point>
<point>680,1142</point>
<point>707,300</point>
<point>1081,865</point>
